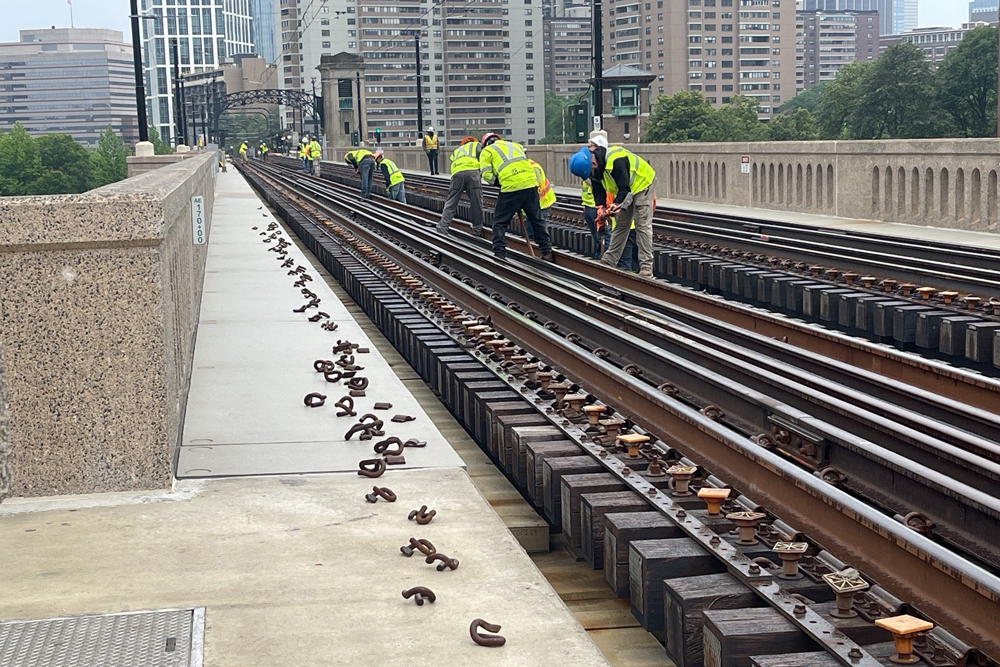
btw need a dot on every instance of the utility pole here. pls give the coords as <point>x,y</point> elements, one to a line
<point>420,86</point>
<point>598,57</point>
<point>315,116</point>
<point>140,89</point>
<point>184,117</point>
<point>998,88</point>
<point>178,113</point>
<point>357,76</point>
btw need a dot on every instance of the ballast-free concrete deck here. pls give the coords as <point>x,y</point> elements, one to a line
<point>254,364</point>
<point>291,569</point>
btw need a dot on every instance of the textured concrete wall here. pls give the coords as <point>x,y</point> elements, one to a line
<point>948,183</point>
<point>99,299</point>
<point>140,165</point>
<point>4,439</point>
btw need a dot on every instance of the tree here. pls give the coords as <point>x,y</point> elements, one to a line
<point>554,108</point>
<point>967,83</point>
<point>20,163</point>
<point>737,121</point>
<point>898,97</point>
<point>60,153</point>
<point>840,98</point>
<point>801,125</point>
<point>810,99</point>
<point>52,183</point>
<point>109,159</point>
<point>160,147</point>
<point>683,116</point>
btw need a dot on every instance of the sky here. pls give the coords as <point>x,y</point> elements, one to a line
<point>20,14</point>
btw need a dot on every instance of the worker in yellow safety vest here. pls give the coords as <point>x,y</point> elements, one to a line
<point>546,195</point>
<point>431,148</point>
<point>464,178</point>
<point>394,187</point>
<point>363,161</point>
<point>243,151</point>
<point>505,164</point>
<point>630,179</point>
<point>304,154</point>
<point>315,155</point>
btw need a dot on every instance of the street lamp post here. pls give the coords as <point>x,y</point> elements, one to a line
<point>140,88</point>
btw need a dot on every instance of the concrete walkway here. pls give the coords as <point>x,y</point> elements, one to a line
<point>292,569</point>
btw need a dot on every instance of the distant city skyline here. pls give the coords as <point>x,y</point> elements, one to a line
<point>114,15</point>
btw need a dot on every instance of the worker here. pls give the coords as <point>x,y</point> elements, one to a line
<point>464,178</point>
<point>546,195</point>
<point>304,154</point>
<point>363,161</point>
<point>630,179</point>
<point>394,187</point>
<point>315,155</point>
<point>263,151</point>
<point>505,164</point>
<point>629,260</point>
<point>431,148</point>
<point>222,163</point>
<point>243,151</point>
<point>579,163</point>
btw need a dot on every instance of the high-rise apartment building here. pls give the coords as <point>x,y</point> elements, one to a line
<point>886,9</point>
<point>722,48</point>
<point>987,11</point>
<point>482,65</point>
<point>75,81</point>
<point>208,33</point>
<point>829,40</point>
<point>265,14</point>
<point>568,48</point>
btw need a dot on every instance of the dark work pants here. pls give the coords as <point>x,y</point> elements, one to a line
<point>509,203</point>
<point>469,182</point>
<point>432,161</point>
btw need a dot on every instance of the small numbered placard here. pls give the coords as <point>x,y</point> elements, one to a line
<point>198,219</point>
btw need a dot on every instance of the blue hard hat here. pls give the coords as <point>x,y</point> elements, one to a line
<point>579,163</point>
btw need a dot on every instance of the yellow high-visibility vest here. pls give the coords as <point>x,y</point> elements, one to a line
<point>395,175</point>
<point>509,164</point>
<point>641,175</point>
<point>546,196</point>
<point>465,158</point>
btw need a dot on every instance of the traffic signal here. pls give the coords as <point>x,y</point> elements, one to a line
<point>378,135</point>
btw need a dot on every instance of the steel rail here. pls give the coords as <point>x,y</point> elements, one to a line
<point>963,486</point>
<point>929,575</point>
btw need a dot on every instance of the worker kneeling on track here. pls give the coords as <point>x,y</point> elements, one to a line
<point>363,161</point>
<point>464,178</point>
<point>394,187</point>
<point>630,179</point>
<point>504,163</point>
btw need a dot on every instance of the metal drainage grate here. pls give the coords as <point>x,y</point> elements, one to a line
<point>160,638</point>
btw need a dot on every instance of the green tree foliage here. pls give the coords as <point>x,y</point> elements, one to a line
<point>736,121</point>
<point>554,108</point>
<point>967,83</point>
<point>20,162</point>
<point>800,125</point>
<point>810,100</point>
<point>840,99</point>
<point>61,155</point>
<point>108,162</point>
<point>898,97</point>
<point>684,116</point>
<point>160,147</point>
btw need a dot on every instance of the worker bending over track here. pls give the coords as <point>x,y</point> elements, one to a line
<point>363,161</point>
<point>394,188</point>
<point>464,178</point>
<point>504,163</point>
<point>630,179</point>
<point>315,155</point>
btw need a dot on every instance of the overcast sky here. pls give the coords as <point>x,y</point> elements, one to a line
<point>19,14</point>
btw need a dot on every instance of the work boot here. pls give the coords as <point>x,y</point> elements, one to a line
<point>499,256</point>
<point>646,272</point>
<point>442,230</point>
<point>477,232</point>
<point>549,257</point>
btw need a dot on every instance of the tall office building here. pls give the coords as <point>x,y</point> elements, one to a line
<point>208,34</point>
<point>481,63</point>
<point>567,52</point>
<point>265,15</point>
<point>75,81</point>
<point>722,48</point>
<point>829,40</point>
<point>904,16</point>
<point>987,11</point>
<point>886,10</point>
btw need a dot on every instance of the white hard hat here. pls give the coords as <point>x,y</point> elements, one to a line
<point>430,129</point>
<point>599,140</point>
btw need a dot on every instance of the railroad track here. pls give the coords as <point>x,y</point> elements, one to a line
<point>939,300</point>
<point>755,414</point>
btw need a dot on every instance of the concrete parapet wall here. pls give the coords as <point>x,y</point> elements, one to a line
<point>937,182</point>
<point>140,165</point>
<point>99,298</point>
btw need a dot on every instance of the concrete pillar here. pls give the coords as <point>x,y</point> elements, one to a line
<point>340,123</point>
<point>144,149</point>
